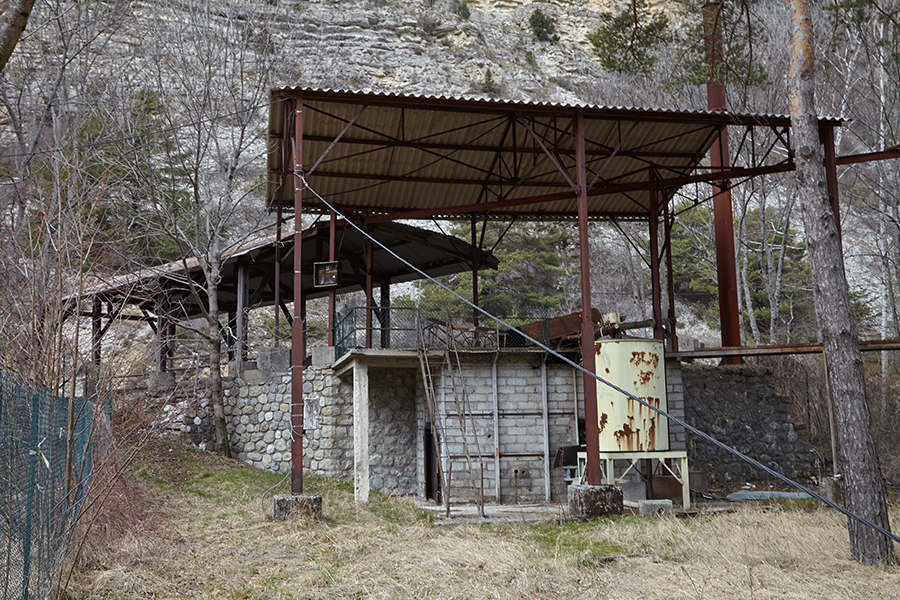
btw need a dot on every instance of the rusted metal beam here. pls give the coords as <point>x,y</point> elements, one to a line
<point>336,140</point>
<point>596,153</point>
<point>669,220</point>
<point>498,207</point>
<point>332,292</point>
<point>854,159</point>
<point>370,298</point>
<point>777,350</point>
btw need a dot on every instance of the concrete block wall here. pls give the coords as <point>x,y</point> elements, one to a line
<point>521,427</point>
<point>258,410</point>
<point>675,400</point>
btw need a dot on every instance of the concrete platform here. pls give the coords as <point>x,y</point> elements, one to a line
<point>495,513</point>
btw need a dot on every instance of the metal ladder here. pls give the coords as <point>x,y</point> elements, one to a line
<point>456,377</point>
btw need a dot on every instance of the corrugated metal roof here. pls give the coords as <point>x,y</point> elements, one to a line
<point>433,155</point>
<point>435,253</point>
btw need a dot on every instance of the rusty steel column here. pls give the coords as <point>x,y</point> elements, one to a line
<point>276,285</point>
<point>726,269</point>
<point>655,286</point>
<point>297,350</point>
<point>826,134</point>
<point>669,220</point>
<point>592,424</point>
<point>475,265</point>
<point>332,295</point>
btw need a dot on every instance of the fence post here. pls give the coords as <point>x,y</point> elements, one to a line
<point>29,503</point>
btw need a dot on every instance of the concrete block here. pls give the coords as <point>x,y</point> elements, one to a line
<point>273,359</point>
<point>253,377</point>
<point>322,355</point>
<point>655,508</point>
<point>300,505</point>
<point>594,501</point>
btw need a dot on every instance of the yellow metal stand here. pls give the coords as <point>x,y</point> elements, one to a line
<point>608,465</point>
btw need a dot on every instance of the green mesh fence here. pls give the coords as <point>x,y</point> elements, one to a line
<point>36,512</point>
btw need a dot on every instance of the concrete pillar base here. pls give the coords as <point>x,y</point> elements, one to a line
<point>594,501</point>
<point>300,505</point>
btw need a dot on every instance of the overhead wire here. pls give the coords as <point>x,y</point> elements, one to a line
<point>688,427</point>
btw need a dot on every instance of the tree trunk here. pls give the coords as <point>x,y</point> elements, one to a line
<point>864,485</point>
<point>11,28</point>
<point>744,247</point>
<point>217,395</point>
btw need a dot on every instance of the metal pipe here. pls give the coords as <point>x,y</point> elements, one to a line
<point>496,421</point>
<point>545,405</point>
<point>332,228</point>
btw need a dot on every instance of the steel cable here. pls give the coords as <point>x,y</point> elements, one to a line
<point>573,364</point>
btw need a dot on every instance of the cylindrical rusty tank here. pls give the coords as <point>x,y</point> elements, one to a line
<point>637,366</point>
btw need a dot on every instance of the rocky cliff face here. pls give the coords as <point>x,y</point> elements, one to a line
<point>437,47</point>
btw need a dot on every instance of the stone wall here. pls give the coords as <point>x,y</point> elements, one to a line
<point>392,430</point>
<point>258,413</point>
<point>738,406</point>
<point>328,417</point>
<point>258,416</point>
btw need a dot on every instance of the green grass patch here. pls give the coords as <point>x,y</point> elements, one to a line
<point>574,539</point>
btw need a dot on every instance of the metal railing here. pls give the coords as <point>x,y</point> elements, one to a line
<point>408,328</point>
<point>376,327</point>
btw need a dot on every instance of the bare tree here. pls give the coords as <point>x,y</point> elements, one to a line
<point>211,79</point>
<point>864,486</point>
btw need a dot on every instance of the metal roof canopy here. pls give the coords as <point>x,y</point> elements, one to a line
<point>387,156</point>
<point>434,253</point>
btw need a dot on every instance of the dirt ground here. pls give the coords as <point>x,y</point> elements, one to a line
<point>187,524</point>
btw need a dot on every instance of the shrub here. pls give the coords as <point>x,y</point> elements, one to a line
<point>543,26</point>
<point>461,9</point>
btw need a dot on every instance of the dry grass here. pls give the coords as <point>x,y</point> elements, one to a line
<point>210,539</point>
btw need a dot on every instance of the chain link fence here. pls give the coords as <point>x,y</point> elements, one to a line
<point>37,513</point>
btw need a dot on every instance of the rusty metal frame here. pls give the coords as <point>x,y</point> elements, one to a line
<point>518,162</point>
